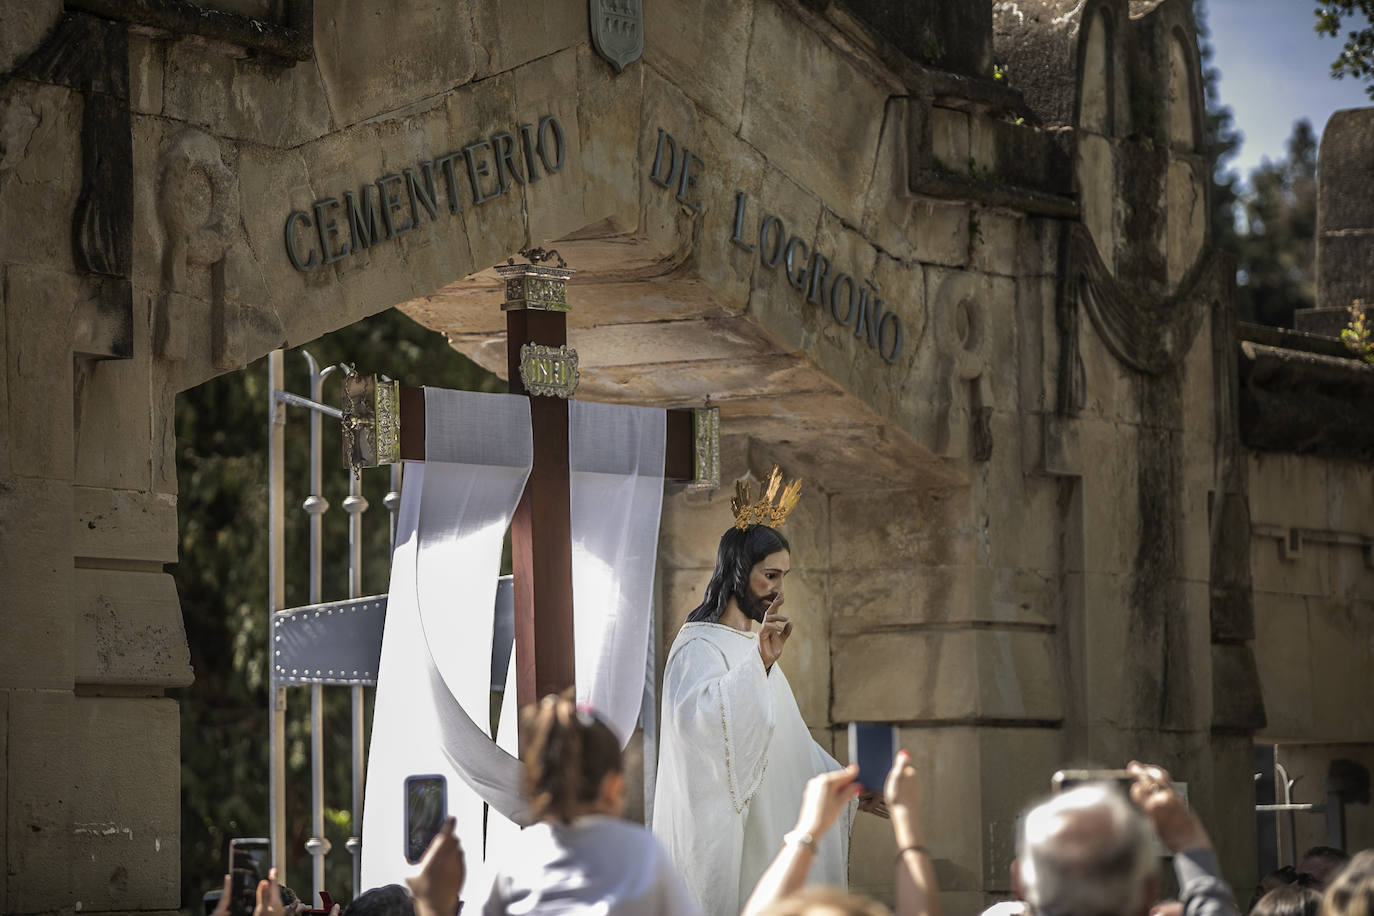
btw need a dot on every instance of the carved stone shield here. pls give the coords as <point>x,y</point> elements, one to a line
<point>618,30</point>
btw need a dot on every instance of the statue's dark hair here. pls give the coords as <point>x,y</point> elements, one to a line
<point>739,550</point>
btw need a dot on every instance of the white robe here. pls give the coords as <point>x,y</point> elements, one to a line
<point>734,760</point>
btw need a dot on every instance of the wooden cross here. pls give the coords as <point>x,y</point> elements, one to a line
<point>541,529</point>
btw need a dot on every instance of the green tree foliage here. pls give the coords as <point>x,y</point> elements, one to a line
<point>221,578</point>
<point>1275,254</point>
<point>1356,59</point>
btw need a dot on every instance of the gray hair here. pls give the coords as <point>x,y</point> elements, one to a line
<point>1086,852</point>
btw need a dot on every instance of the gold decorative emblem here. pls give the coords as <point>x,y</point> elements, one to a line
<point>535,285</point>
<point>371,420</point>
<point>549,371</point>
<point>706,448</point>
<point>765,512</point>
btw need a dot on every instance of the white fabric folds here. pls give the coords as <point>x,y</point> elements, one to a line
<point>433,687</point>
<point>432,711</point>
<point>615,455</point>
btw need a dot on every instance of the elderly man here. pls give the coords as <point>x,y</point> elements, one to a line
<point>1087,852</point>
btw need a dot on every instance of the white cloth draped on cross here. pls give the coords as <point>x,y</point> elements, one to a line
<point>432,710</point>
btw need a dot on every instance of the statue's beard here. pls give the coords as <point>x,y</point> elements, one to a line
<point>756,606</point>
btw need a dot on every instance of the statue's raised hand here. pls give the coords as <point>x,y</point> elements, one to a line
<point>776,629</point>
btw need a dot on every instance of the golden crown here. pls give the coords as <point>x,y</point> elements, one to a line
<point>765,512</point>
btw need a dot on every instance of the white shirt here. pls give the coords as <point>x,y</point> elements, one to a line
<point>734,760</point>
<point>596,864</point>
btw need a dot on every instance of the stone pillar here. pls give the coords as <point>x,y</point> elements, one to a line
<point>1345,223</point>
<point>92,631</point>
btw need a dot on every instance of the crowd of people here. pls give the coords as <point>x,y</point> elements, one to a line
<point>735,757</point>
<point>1088,851</point>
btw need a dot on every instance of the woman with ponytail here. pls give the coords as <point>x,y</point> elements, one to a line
<point>581,856</point>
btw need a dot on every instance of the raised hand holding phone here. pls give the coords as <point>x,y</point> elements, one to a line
<point>426,801</point>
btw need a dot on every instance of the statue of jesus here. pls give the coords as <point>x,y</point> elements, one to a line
<point>735,755</point>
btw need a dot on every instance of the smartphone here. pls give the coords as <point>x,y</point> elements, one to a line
<point>872,745</point>
<point>1064,780</point>
<point>247,866</point>
<point>426,806</point>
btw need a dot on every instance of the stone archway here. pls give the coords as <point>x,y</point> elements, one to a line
<point>861,266</point>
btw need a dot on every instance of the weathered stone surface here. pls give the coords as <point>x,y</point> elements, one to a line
<point>124,525</point>
<point>125,808</point>
<point>1348,483</point>
<point>1344,265</point>
<point>113,414</point>
<point>664,342</point>
<point>949,36</point>
<point>41,126</point>
<point>703,48</point>
<point>1094,101</point>
<point>1178,99</point>
<point>1288,489</point>
<point>1186,190</point>
<point>1334,626</point>
<point>40,766</point>
<point>506,35</point>
<point>147,67</point>
<point>1345,173</point>
<point>4,792</point>
<point>726,270</point>
<point>830,146</point>
<point>949,139</point>
<point>1237,702</point>
<point>367,72</point>
<point>25,26</point>
<point>995,247</point>
<point>242,98</point>
<point>1112,521</point>
<point>1101,214</point>
<point>35,579</point>
<point>679,384</point>
<point>774,299</point>
<point>872,598</point>
<point>885,529</point>
<point>1284,656</point>
<point>128,630</point>
<point>599,125</point>
<point>39,376</point>
<point>943,675</point>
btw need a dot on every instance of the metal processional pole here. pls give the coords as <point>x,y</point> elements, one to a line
<point>355,504</point>
<point>276,598</point>
<point>315,506</point>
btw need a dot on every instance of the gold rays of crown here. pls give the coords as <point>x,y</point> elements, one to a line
<point>765,512</point>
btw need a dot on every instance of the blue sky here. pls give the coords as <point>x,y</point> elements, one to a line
<point>1275,70</point>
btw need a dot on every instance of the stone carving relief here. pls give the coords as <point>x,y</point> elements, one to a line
<point>197,207</point>
<point>963,340</point>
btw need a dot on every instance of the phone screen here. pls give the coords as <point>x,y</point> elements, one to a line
<point>1064,780</point>
<point>426,808</point>
<point>247,866</point>
<point>872,745</point>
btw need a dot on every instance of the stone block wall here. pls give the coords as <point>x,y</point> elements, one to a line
<point>1314,625</point>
